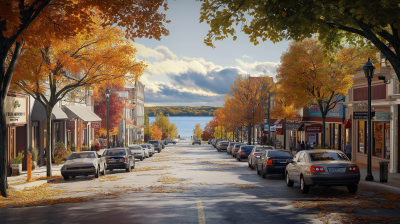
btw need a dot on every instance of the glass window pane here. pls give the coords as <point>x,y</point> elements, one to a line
<point>378,139</point>
<point>387,140</point>
<point>361,133</point>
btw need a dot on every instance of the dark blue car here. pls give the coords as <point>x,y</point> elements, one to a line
<point>244,152</point>
<point>273,162</point>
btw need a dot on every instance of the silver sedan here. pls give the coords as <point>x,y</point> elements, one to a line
<point>255,155</point>
<point>322,168</point>
<point>83,164</point>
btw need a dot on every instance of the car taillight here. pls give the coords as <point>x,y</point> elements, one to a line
<point>271,161</point>
<point>243,153</point>
<point>235,152</point>
<point>123,160</point>
<point>255,154</point>
<point>354,169</point>
<point>317,169</point>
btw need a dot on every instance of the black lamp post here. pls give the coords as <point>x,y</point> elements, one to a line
<point>254,110</point>
<point>148,129</point>
<point>369,74</point>
<point>261,120</point>
<point>108,93</point>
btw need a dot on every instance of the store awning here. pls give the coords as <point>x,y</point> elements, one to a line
<point>81,112</point>
<point>39,113</point>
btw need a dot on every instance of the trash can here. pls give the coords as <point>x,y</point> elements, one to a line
<point>383,171</point>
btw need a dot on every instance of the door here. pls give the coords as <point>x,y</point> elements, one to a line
<point>294,170</point>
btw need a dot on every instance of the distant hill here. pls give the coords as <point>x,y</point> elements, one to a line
<point>181,111</point>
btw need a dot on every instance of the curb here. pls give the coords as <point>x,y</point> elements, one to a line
<point>380,187</point>
<point>33,184</point>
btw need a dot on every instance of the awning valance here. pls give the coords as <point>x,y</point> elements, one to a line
<point>39,113</point>
<point>81,112</point>
<point>347,124</point>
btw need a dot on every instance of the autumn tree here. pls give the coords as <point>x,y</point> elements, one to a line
<point>219,132</point>
<point>197,132</point>
<point>332,22</point>
<point>116,107</point>
<point>157,133</point>
<point>209,129</point>
<point>310,77</point>
<point>162,121</point>
<point>66,65</point>
<point>172,131</point>
<point>23,23</point>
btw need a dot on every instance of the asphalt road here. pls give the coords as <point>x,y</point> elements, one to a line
<point>205,187</point>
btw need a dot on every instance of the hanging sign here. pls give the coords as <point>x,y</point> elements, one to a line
<point>15,110</point>
<point>95,124</point>
<point>273,127</point>
<point>70,125</point>
<point>315,128</point>
<point>362,115</point>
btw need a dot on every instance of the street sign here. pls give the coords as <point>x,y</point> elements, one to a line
<point>362,115</point>
<point>95,124</point>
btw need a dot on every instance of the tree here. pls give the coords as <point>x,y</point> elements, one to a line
<point>67,65</point>
<point>172,131</point>
<point>157,132</point>
<point>310,77</point>
<point>355,21</point>
<point>148,131</point>
<point>162,121</point>
<point>116,108</point>
<point>219,132</point>
<point>23,22</point>
<point>197,132</point>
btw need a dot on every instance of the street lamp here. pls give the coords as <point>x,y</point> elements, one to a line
<point>261,120</point>
<point>254,110</point>
<point>148,129</point>
<point>108,93</point>
<point>369,74</point>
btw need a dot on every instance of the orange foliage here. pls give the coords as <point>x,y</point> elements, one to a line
<point>157,132</point>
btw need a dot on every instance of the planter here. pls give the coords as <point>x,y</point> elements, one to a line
<point>34,164</point>
<point>16,169</point>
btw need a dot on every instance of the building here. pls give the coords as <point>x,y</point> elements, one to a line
<point>135,113</point>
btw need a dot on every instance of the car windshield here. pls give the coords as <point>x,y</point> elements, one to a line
<point>153,141</point>
<point>238,146</point>
<point>246,148</point>
<point>262,149</point>
<point>276,153</point>
<point>114,152</point>
<point>224,143</point>
<point>144,146</point>
<point>135,148</point>
<point>328,156</point>
<point>81,155</point>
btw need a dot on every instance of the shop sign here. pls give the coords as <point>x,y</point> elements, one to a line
<point>337,112</point>
<point>279,126</point>
<point>70,125</point>
<point>315,128</point>
<point>95,124</point>
<point>15,109</point>
<point>381,116</point>
<point>362,115</point>
<point>312,137</point>
<point>273,127</point>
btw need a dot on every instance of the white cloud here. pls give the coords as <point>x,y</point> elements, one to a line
<point>245,56</point>
<point>264,67</point>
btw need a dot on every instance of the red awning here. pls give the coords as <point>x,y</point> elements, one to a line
<point>279,133</point>
<point>313,128</point>
<point>347,124</point>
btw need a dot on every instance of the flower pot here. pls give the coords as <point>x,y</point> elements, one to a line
<point>34,164</point>
<point>16,169</point>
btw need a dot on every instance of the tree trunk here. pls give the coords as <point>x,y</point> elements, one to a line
<point>3,150</point>
<point>48,141</point>
<point>249,134</point>
<point>284,133</point>
<point>323,130</point>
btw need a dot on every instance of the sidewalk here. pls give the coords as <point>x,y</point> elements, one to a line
<point>393,184</point>
<point>19,182</point>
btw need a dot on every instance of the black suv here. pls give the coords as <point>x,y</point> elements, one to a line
<point>196,141</point>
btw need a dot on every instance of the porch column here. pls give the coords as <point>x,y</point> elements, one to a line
<point>393,165</point>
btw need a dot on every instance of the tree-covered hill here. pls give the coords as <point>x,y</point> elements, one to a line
<point>181,111</point>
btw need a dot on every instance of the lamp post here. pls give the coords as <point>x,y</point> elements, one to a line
<point>269,120</point>
<point>108,93</point>
<point>148,129</point>
<point>369,74</point>
<point>261,120</point>
<point>254,110</point>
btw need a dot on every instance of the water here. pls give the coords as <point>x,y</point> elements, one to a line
<point>186,125</point>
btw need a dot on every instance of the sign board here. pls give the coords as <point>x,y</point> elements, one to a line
<point>279,126</point>
<point>314,128</point>
<point>273,127</point>
<point>362,115</point>
<point>70,125</point>
<point>15,109</point>
<point>95,124</point>
<point>277,144</point>
<point>382,116</point>
<point>312,137</point>
<point>336,112</point>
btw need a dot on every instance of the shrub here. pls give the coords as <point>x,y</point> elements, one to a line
<point>97,146</point>
<point>58,160</point>
<point>34,152</point>
<point>60,151</point>
<point>85,148</point>
<point>18,159</point>
<point>72,147</point>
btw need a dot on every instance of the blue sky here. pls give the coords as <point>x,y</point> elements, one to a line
<point>183,71</point>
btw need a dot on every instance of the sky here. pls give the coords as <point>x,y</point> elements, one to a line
<point>183,71</point>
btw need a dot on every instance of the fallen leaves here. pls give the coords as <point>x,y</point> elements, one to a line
<point>243,186</point>
<point>148,168</point>
<point>109,178</point>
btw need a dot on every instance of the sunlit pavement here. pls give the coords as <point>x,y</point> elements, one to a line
<point>194,184</point>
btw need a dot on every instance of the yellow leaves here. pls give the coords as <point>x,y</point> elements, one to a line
<point>168,180</point>
<point>243,186</point>
<point>148,168</point>
<point>284,14</point>
<point>109,178</point>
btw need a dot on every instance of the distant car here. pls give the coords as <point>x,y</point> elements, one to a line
<point>255,155</point>
<point>223,145</point>
<point>150,147</point>
<point>322,168</point>
<point>196,141</point>
<point>243,152</point>
<point>162,144</point>
<point>236,147</point>
<point>119,158</point>
<point>157,145</point>
<point>137,151</point>
<point>230,145</point>
<point>273,162</point>
<point>83,164</point>
<point>171,141</point>
<point>209,141</point>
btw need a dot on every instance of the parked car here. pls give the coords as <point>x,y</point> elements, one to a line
<point>236,147</point>
<point>150,147</point>
<point>157,145</point>
<point>137,152</point>
<point>171,141</point>
<point>230,145</point>
<point>223,145</point>
<point>273,162</point>
<point>209,141</point>
<point>119,158</point>
<point>243,152</point>
<point>255,155</point>
<point>162,144</point>
<point>322,168</point>
<point>216,142</point>
<point>83,164</point>
<point>196,141</point>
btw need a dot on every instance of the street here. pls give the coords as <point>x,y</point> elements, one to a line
<point>192,184</point>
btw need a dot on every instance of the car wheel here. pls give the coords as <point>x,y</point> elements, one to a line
<point>289,183</point>
<point>159,150</point>
<point>258,171</point>
<point>141,158</point>
<point>303,187</point>
<point>263,174</point>
<point>352,188</point>
<point>66,177</point>
<point>128,169</point>
<point>104,170</point>
<point>97,174</point>
<point>249,165</point>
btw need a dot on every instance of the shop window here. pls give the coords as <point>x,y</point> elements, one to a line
<point>378,139</point>
<point>12,146</point>
<point>387,140</point>
<point>361,136</point>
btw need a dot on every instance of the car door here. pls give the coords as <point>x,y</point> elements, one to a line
<point>130,157</point>
<point>261,161</point>
<point>293,171</point>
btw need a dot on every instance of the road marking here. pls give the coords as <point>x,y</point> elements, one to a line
<point>202,218</point>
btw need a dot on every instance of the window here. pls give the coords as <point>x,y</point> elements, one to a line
<point>387,141</point>
<point>361,136</point>
<point>379,130</point>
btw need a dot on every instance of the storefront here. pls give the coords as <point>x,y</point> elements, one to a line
<point>16,121</point>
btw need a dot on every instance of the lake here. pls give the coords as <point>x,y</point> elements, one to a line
<point>186,124</point>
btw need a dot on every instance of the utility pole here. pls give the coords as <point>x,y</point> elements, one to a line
<point>269,120</point>
<point>261,120</point>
